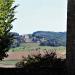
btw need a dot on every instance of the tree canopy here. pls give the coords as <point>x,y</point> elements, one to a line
<point>7,14</point>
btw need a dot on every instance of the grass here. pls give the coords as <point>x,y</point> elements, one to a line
<point>35,46</point>
<point>9,62</point>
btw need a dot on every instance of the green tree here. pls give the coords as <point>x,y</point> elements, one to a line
<point>6,18</point>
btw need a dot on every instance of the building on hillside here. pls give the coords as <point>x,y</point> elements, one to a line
<point>27,38</point>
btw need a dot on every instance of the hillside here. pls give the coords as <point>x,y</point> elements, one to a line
<point>50,38</point>
<point>44,38</point>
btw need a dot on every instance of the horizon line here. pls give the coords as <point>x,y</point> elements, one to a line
<point>37,31</point>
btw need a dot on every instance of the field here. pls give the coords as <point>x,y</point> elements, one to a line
<point>35,46</point>
<point>16,54</point>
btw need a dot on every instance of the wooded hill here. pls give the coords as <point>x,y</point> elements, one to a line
<point>44,38</point>
<point>50,38</point>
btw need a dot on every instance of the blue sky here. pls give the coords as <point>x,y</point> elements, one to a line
<point>40,15</point>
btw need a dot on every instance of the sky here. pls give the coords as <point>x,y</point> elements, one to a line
<point>40,15</point>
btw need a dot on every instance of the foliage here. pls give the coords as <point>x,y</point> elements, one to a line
<point>45,64</point>
<point>50,38</point>
<point>16,40</point>
<point>6,19</point>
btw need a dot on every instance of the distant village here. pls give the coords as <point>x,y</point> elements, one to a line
<point>20,39</point>
<point>26,38</point>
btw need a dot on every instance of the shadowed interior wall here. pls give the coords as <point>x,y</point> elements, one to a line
<point>70,51</point>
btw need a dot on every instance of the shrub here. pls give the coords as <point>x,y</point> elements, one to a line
<point>49,63</point>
